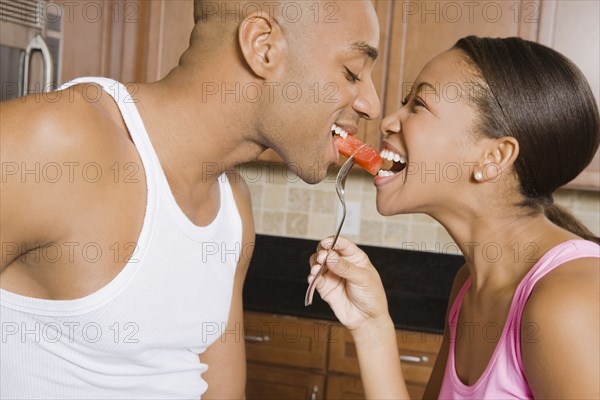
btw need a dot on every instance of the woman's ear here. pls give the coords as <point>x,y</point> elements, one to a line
<point>262,43</point>
<point>500,155</point>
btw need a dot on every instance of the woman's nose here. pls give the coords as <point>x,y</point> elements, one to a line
<point>390,124</point>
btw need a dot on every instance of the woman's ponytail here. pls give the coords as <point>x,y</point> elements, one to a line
<point>563,218</point>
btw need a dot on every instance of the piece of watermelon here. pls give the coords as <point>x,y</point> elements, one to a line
<point>365,156</point>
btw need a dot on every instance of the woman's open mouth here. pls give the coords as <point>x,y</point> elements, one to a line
<point>393,164</point>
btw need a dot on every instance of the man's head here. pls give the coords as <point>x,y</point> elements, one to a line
<point>300,67</point>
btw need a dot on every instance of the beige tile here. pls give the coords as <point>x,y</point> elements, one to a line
<point>321,226</point>
<point>566,198</point>
<point>258,217</point>
<point>274,198</point>
<point>371,232</point>
<point>298,200</point>
<point>395,233</point>
<point>591,221</point>
<point>256,192</point>
<point>588,201</point>
<point>446,243</point>
<point>324,202</point>
<point>296,224</point>
<point>273,222</point>
<point>425,237</point>
<point>368,206</point>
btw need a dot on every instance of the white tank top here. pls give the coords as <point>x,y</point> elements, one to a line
<point>140,335</point>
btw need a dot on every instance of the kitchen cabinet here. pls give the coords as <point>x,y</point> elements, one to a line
<point>418,352</point>
<point>573,28</point>
<point>286,356</point>
<point>140,40</point>
<point>303,358</point>
<point>105,38</point>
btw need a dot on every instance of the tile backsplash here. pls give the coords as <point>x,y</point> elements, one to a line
<point>284,205</point>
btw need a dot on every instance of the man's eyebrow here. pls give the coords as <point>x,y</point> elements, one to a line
<point>365,49</point>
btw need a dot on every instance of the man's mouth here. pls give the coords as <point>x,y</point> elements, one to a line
<point>394,165</point>
<point>338,130</point>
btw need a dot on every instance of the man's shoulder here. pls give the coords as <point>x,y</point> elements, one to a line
<point>60,124</point>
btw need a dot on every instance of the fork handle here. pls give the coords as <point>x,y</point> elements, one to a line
<point>313,285</point>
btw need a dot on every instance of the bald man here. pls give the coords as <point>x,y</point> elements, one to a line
<point>125,235</point>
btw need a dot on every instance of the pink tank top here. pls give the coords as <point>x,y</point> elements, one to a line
<point>504,377</point>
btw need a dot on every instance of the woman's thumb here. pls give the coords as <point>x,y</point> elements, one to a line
<point>341,267</point>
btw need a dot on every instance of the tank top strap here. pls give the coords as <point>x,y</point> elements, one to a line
<point>131,116</point>
<point>455,309</point>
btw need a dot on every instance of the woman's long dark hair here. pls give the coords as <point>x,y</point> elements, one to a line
<point>536,95</point>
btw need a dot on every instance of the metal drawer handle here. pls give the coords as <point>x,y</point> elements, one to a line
<point>414,359</point>
<point>251,338</point>
<point>37,43</point>
<point>313,394</point>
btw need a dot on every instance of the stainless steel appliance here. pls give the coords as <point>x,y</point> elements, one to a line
<point>30,47</point>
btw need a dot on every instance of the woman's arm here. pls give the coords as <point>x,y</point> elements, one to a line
<point>560,333</point>
<point>354,291</point>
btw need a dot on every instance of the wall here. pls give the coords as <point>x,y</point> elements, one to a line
<point>284,205</point>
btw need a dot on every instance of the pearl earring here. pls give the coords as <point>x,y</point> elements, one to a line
<point>478,176</point>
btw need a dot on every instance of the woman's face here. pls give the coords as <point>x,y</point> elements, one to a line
<point>432,133</point>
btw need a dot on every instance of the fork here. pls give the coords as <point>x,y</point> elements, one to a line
<point>340,186</point>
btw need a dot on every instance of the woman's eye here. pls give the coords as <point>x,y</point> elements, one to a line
<point>351,76</point>
<point>419,102</point>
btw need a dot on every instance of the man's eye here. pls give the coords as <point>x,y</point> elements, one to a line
<point>351,76</point>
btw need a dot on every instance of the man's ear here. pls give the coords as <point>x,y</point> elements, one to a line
<point>262,43</point>
<point>499,156</point>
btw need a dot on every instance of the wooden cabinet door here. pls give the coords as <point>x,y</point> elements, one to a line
<point>349,387</point>
<point>418,352</point>
<point>104,38</point>
<point>287,341</point>
<point>424,29</point>
<point>171,23</point>
<point>268,382</point>
<point>573,29</point>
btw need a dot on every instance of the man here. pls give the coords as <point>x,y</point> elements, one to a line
<point>125,250</point>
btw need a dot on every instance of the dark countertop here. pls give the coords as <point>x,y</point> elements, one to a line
<point>417,283</point>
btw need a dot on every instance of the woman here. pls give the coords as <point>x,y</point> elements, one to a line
<point>519,121</point>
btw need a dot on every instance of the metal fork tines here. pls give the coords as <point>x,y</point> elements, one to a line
<point>340,186</point>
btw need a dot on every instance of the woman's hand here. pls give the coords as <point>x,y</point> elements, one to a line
<point>351,286</point>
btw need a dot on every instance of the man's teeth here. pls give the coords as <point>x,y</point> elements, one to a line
<point>339,131</point>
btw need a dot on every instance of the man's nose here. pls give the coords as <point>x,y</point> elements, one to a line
<point>367,103</point>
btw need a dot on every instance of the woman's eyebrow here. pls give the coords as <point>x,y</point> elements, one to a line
<point>425,84</point>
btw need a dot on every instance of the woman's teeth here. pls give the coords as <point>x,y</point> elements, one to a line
<point>336,130</point>
<point>397,162</point>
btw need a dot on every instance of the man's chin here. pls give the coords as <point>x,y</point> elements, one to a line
<point>311,174</point>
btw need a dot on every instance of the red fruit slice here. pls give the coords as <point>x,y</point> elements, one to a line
<point>365,156</point>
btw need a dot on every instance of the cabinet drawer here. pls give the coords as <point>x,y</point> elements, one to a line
<point>266,382</point>
<point>349,387</point>
<point>288,341</point>
<point>418,352</point>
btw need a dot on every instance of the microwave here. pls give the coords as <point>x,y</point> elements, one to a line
<point>30,47</point>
